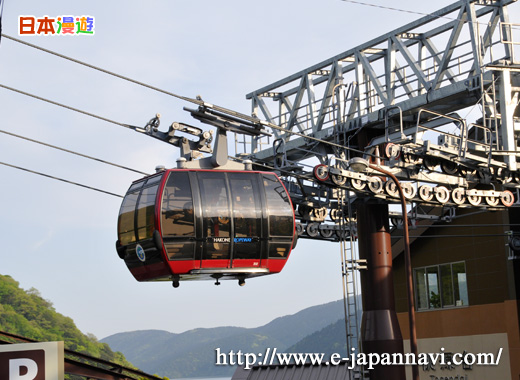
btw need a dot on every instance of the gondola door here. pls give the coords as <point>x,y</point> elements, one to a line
<point>247,219</point>
<point>216,219</point>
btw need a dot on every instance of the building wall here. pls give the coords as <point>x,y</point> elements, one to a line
<point>485,256</point>
<point>492,313</point>
<point>476,329</point>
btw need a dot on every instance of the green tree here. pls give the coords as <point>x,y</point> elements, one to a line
<point>27,313</point>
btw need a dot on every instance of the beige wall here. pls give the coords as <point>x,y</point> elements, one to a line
<point>488,343</point>
<point>482,328</point>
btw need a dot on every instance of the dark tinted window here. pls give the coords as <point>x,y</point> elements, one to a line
<point>216,215</point>
<point>136,186</point>
<point>177,206</point>
<point>153,180</point>
<point>127,218</point>
<point>279,250</point>
<point>281,217</point>
<point>146,213</point>
<point>182,250</point>
<point>247,215</point>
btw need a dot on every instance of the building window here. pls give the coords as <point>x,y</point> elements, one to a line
<point>441,286</point>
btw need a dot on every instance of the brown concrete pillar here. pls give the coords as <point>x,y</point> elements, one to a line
<point>380,332</point>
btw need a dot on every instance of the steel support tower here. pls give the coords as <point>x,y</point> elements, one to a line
<point>434,102</point>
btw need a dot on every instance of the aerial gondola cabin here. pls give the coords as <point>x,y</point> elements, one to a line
<point>188,224</point>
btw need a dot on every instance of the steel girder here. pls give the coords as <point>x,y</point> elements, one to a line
<point>438,61</point>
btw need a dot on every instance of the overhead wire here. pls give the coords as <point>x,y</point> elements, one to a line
<point>411,12</point>
<point>393,9</point>
<point>61,179</point>
<point>202,103</point>
<point>63,149</point>
<point>196,101</point>
<point>199,102</point>
<point>71,152</point>
<point>96,68</point>
<point>65,106</point>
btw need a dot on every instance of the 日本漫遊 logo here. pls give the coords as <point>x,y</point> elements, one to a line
<point>58,25</point>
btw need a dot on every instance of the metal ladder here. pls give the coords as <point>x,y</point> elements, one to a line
<point>350,266</point>
<point>488,104</point>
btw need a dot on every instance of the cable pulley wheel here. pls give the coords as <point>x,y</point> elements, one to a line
<point>303,210</point>
<point>507,198</point>
<point>492,201</point>
<point>449,167</point>
<point>358,184</point>
<point>514,243</point>
<point>458,195</point>
<point>313,229</point>
<point>426,193</point>
<point>442,194</point>
<point>326,233</point>
<point>336,215</point>
<point>474,200</point>
<point>319,213</point>
<point>341,233</point>
<point>392,151</point>
<point>409,190</point>
<point>430,163</point>
<point>375,184</point>
<point>321,172</point>
<point>338,180</point>
<point>391,188</point>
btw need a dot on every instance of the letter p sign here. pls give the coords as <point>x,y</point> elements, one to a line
<point>32,361</point>
<point>22,365</point>
<point>22,369</point>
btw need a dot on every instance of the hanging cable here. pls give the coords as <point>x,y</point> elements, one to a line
<point>215,107</point>
<point>1,14</point>
<point>61,179</point>
<point>199,102</point>
<point>72,152</point>
<point>411,12</point>
<point>396,9</point>
<point>65,106</point>
<point>187,99</point>
<point>100,69</point>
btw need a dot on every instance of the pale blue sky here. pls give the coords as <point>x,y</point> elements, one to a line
<point>60,238</point>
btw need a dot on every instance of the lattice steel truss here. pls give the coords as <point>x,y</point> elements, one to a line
<point>397,101</point>
<point>440,62</point>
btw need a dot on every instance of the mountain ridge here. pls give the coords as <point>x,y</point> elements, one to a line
<point>192,353</point>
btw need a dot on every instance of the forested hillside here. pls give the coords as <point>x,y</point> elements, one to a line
<point>26,313</point>
<point>329,340</point>
<point>189,354</point>
<point>192,353</point>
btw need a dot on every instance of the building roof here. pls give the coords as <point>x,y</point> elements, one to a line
<point>291,372</point>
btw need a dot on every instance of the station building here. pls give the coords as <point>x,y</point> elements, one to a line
<point>466,280</point>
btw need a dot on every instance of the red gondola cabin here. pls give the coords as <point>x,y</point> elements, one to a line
<point>183,224</point>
